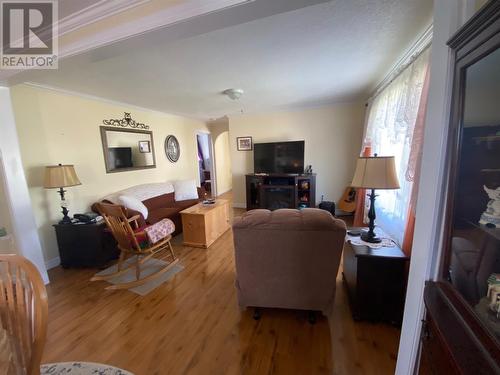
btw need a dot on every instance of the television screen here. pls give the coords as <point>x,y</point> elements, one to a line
<point>279,157</point>
<point>120,157</point>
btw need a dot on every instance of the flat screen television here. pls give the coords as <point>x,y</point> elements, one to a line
<point>279,157</point>
<point>120,157</point>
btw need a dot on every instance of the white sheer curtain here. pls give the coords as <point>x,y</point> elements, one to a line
<point>389,128</point>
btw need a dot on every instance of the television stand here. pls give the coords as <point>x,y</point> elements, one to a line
<point>280,190</point>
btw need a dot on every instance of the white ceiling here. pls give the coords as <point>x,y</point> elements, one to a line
<point>69,7</point>
<point>330,52</point>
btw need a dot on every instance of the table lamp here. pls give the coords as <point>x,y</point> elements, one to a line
<point>375,172</point>
<point>61,176</point>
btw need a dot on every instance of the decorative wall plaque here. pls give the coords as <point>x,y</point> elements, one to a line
<point>172,148</point>
<point>126,121</point>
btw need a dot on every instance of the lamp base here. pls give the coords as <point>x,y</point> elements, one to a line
<point>370,237</point>
<point>66,219</point>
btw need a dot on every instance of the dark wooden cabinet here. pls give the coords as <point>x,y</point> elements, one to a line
<point>86,245</point>
<point>375,280</point>
<point>450,344</point>
<point>435,359</point>
<point>276,191</point>
<point>461,331</point>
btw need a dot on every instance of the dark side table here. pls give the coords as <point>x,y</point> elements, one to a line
<point>375,279</point>
<point>85,245</point>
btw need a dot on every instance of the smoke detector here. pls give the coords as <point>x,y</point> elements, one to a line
<point>233,94</point>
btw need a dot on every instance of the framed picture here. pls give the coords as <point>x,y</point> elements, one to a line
<point>144,147</point>
<point>244,143</point>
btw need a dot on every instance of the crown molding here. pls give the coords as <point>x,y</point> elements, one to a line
<point>419,46</point>
<point>205,119</point>
<point>94,13</point>
<point>110,101</point>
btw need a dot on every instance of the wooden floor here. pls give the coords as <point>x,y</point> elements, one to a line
<point>192,325</point>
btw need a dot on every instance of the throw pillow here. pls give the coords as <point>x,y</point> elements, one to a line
<point>185,190</point>
<point>134,204</point>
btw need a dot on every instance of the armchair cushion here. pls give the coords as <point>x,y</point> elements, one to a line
<point>160,230</point>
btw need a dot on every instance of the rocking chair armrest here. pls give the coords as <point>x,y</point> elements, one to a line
<point>134,219</point>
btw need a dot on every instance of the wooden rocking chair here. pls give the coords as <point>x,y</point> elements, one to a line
<point>23,316</point>
<point>129,245</point>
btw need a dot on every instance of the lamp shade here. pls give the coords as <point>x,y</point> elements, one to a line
<point>378,172</point>
<point>58,176</point>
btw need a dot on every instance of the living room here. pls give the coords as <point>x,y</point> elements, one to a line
<point>181,120</point>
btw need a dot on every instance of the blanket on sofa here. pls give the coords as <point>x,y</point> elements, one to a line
<point>141,192</point>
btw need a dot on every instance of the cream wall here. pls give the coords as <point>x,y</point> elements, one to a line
<point>58,128</point>
<point>220,137</point>
<point>6,242</point>
<point>222,155</point>
<point>4,208</point>
<point>23,224</point>
<point>332,137</point>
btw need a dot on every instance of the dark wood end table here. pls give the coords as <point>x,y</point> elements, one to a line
<point>375,279</point>
<point>85,245</point>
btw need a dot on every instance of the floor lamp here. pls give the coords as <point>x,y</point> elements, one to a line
<point>374,172</point>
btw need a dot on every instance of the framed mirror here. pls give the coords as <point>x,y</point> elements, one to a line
<point>127,149</point>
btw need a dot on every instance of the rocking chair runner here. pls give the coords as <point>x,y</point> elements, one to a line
<point>130,244</point>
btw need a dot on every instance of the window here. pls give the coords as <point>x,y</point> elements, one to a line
<point>390,123</point>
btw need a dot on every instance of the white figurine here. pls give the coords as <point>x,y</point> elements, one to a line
<point>494,297</point>
<point>492,214</point>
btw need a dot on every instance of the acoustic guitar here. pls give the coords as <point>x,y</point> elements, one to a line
<point>348,201</point>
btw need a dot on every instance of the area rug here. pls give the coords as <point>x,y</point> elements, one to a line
<point>149,267</point>
<point>81,368</point>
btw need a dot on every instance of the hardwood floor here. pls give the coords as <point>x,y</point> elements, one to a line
<point>192,325</point>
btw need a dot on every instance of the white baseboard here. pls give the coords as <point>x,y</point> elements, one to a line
<point>239,205</point>
<point>52,263</point>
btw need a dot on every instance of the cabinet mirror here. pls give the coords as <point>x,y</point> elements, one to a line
<point>473,267</point>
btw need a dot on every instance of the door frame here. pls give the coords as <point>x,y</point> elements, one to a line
<point>211,155</point>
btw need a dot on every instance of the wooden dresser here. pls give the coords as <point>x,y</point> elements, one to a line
<point>203,224</point>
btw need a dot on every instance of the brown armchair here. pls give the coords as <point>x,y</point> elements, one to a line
<point>288,258</point>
